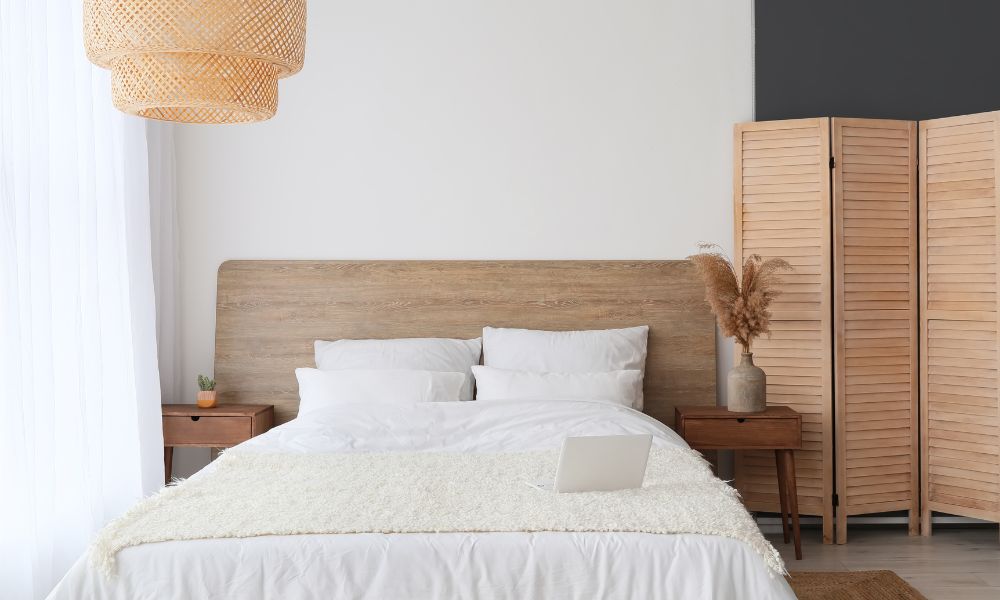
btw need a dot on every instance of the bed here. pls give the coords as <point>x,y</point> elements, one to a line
<point>269,313</point>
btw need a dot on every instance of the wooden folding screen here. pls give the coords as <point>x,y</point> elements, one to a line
<point>836,198</point>
<point>875,318</point>
<point>782,209</point>
<point>960,411</point>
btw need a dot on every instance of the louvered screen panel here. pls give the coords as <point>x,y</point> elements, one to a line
<point>782,209</point>
<point>875,318</point>
<point>959,401</point>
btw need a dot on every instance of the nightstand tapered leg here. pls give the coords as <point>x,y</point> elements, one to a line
<point>168,463</point>
<point>782,494</point>
<point>791,492</point>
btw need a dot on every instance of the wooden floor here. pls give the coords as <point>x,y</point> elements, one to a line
<point>953,564</point>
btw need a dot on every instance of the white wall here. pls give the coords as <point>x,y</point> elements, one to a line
<point>547,129</point>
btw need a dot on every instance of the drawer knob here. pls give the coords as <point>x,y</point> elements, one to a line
<point>195,418</point>
<point>738,420</point>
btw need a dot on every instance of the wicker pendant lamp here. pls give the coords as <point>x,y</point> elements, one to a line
<point>196,61</point>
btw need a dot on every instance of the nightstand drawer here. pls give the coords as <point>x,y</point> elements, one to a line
<point>220,431</point>
<point>742,432</point>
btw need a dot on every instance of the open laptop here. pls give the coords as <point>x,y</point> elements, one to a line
<point>600,463</point>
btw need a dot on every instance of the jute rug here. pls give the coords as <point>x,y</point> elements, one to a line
<point>851,585</point>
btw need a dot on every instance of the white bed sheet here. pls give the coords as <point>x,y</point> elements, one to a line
<point>442,565</point>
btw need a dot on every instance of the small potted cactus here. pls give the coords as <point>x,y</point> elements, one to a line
<point>206,393</point>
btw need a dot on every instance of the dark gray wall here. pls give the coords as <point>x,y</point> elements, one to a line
<point>898,59</point>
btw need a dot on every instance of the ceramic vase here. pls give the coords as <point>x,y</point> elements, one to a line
<point>747,387</point>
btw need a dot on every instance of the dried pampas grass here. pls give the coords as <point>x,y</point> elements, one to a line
<point>740,303</point>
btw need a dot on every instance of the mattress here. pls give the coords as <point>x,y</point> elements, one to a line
<point>441,565</point>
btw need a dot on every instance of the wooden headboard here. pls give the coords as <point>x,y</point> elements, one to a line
<point>269,313</point>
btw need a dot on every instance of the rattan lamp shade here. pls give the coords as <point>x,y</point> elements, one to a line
<point>196,61</point>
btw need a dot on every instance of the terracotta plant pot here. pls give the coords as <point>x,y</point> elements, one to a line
<point>747,387</point>
<point>206,399</point>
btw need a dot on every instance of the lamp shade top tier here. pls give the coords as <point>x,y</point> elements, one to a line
<point>202,61</point>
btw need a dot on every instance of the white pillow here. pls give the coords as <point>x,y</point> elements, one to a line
<point>424,354</point>
<point>320,389</point>
<point>567,351</point>
<point>619,387</point>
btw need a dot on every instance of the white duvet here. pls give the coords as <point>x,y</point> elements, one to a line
<point>441,565</point>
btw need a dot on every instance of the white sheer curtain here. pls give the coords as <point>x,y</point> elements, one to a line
<point>80,436</point>
<point>166,261</point>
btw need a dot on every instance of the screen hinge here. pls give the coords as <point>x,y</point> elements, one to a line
<point>836,500</point>
<point>833,163</point>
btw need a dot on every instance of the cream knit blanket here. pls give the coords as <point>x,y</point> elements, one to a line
<point>249,494</point>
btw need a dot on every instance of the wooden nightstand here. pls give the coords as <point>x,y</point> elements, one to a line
<point>223,426</point>
<point>778,428</point>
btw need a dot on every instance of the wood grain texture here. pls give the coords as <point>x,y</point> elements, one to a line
<point>958,563</point>
<point>875,318</point>
<point>777,428</point>
<point>715,428</point>
<point>221,426</point>
<point>269,313</point>
<point>960,288</point>
<point>782,210</point>
<point>257,411</point>
<point>217,431</point>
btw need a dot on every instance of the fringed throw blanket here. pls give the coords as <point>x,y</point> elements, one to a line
<point>249,494</point>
